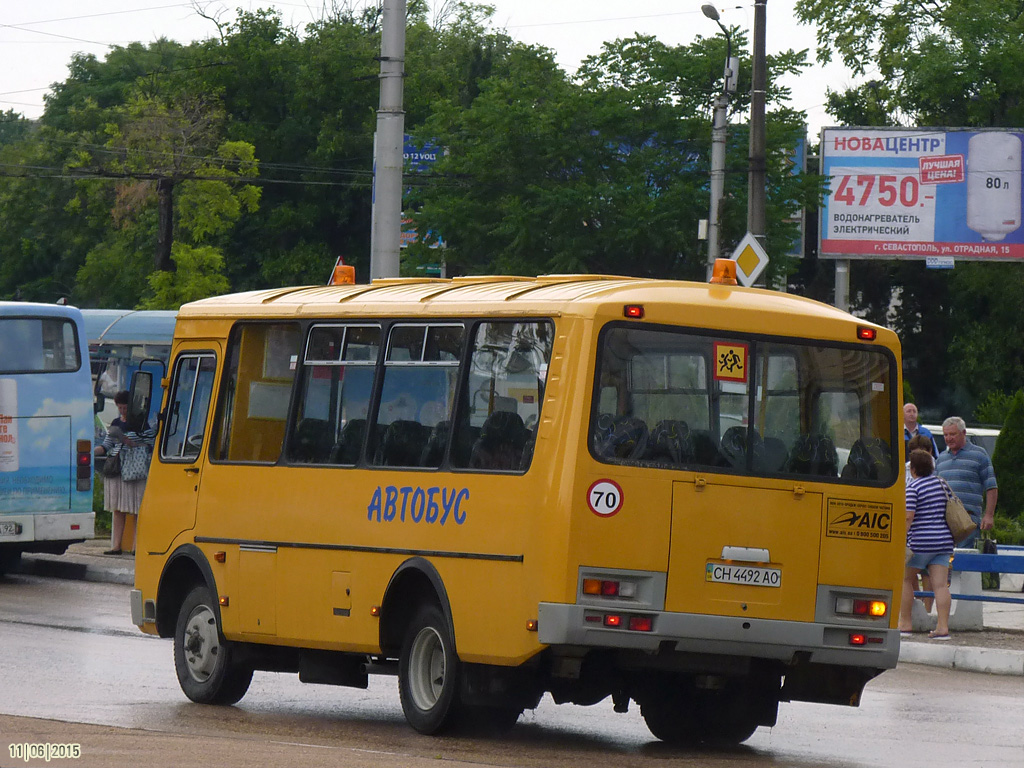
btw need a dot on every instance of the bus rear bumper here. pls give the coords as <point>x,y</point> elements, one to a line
<point>786,641</point>
<point>29,530</point>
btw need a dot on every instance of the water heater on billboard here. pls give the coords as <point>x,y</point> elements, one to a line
<point>993,184</point>
<point>9,458</point>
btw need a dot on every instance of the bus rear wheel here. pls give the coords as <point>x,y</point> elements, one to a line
<point>207,671</point>
<point>428,673</point>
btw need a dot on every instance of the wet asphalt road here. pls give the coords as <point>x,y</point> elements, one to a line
<point>73,669</point>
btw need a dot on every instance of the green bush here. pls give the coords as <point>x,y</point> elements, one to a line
<point>1008,530</point>
<point>1008,459</point>
<point>102,517</point>
<point>994,408</point>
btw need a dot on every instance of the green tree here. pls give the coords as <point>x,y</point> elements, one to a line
<point>1008,458</point>
<point>199,274</point>
<point>606,173</point>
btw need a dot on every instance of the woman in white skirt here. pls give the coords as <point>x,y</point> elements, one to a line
<point>122,497</point>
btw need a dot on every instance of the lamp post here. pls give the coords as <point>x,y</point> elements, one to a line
<point>719,123</point>
<point>756,178</point>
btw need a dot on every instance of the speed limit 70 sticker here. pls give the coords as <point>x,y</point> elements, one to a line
<point>604,497</point>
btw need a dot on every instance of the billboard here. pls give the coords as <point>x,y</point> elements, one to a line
<point>916,193</point>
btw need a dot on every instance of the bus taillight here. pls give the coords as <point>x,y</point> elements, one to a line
<point>609,588</point>
<point>858,607</point>
<point>84,463</point>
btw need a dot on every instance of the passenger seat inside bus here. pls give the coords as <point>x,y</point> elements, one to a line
<point>622,437</point>
<point>735,446</point>
<point>813,455</point>
<point>500,445</point>
<point>311,442</point>
<point>870,459</point>
<point>666,442</point>
<point>402,444</point>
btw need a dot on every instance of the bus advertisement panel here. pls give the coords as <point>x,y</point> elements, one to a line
<point>45,430</point>
<point>917,193</point>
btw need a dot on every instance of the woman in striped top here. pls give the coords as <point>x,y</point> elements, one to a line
<point>929,541</point>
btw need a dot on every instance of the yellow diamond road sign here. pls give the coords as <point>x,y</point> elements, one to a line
<point>750,259</point>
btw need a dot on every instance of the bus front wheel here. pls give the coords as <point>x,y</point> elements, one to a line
<point>203,660</point>
<point>428,673</point>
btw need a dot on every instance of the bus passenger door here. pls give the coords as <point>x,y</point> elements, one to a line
<point>173,489</point>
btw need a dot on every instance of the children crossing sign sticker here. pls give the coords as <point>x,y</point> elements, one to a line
<point>750,259</point>
<point>730,361</point>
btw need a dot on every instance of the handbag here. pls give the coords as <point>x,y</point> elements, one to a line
<point>135,464</point>
<point>112,465</point>
<point>959,521</point>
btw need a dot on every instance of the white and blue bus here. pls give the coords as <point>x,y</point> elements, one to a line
<point>46,430</point>
<point>120,341</point>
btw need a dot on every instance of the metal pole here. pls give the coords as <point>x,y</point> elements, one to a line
<point>842,299</point>
<point>756,185</point>
<point>720,120</point>
<point>388,142</point>
<point>717,179</point>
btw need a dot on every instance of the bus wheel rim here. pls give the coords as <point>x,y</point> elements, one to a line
<point>201,644</point>
<point>427,669</point>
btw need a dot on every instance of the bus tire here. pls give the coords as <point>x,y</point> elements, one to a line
<point>428,673</point>
<point>204,661</point>
<point>670,715</point>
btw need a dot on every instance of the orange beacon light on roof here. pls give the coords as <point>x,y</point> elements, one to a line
<point>724,272</point>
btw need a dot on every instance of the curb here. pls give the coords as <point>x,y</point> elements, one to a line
<point>967,658</point>
<point>57,567</point>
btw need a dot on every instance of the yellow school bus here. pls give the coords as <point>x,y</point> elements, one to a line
<point>678,494</point>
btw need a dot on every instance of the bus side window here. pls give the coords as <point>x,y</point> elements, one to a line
<point>253,406</point>
<point>421,371</point>
<point>188,406</point>
<point>499,416</point>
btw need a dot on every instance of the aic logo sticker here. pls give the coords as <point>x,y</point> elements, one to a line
<point>852,519</point>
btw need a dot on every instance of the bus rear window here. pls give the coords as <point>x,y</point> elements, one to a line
<point>744,405</point>
<point>38,345</point>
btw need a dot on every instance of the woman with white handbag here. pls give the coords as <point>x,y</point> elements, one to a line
<point>125,471</point>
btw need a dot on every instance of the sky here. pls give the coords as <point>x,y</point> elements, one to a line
<point>37,40</point>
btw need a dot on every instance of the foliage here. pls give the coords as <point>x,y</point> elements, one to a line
<point>1008,458</point>
<point>199,274</point>
<point>606,171</point>
<point>1008,530</point>
<point>605,174</point>
<point>993,408</point>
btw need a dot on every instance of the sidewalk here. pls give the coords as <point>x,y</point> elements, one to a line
<point>999,649</point>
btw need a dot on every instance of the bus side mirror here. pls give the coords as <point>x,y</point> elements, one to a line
<point>140,395</point>
<point>98,403</point>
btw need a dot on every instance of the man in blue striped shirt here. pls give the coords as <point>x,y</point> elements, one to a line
<point>968,470</point>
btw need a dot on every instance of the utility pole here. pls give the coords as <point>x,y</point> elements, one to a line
<point>388,144</point>
<point>721,118</point>
<point>756,178</point>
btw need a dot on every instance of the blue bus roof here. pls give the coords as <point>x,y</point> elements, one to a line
<point>129,326</point>
<point>14,308</point>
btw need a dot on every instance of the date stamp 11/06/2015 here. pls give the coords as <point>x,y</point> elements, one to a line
<point>44,751</point>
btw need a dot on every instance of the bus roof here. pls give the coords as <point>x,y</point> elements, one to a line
<point>574,295</point>
<point>128,326</point>
<point>12,308</point>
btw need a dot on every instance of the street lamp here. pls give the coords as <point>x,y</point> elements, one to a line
<point>721,114</point>
<point>757,178</point>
